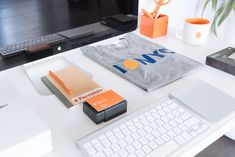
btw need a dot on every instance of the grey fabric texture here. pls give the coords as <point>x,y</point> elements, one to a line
<point>158,66</point>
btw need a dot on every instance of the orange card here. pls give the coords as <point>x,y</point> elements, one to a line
<point>104,100</point>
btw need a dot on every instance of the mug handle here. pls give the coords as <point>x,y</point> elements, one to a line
<point>179,34</point>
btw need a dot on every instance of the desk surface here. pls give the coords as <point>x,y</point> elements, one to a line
<point>67,126</point>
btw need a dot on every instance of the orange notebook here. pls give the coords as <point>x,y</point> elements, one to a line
<point>74,84</point>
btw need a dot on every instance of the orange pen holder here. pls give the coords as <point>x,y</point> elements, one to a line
<point>154,28</point>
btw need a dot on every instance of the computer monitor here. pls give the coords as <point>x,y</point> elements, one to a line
<point>22,20</point>
<point>27,19</point>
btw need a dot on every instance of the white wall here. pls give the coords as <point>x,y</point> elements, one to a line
<point>178,10</point>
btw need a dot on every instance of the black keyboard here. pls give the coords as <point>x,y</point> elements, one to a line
<point>15,49</point>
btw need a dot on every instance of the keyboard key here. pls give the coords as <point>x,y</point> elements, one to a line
<point>115,147</point>
<point>115,130</point>
<point>132,155</point>
<point>193,133</point>
<point>156,133</point>
<point>177,130</point>
<point>87,145</point>
<point>159,122</point>
<point>150,137</point>
<point>130,149</point>
<point>119,135</point>
<point>144,121</point>
<point>147,113</point>
<point>173,123</point>
<point>164,104</point>
<point>129,123</point>
<point>153,110</point>
<point>153,145</point>
<point>126,132</point>
<point>171,134</point>
<point>135,136</point>
<point>122,143</point>
<point>204,127</point>
<point>94,141</point>
<point>190,122</point>
<point>183,127</point>
<point>154,126</point>
<point>170,115</point>
<point>165,119</point>
<point>159,141</point>
<point>178,120</point>
<point>102,137</point>
<point>148,129</point>
<point>109,133</point>
<point>176,113</point>
<point>129,139</point>
<point>132,128</point>
<point>195,127</point>
<point>123,153</point>
<point>99,147</point>
<point>164,150</point>
<point>143,141</point>
<point>150,118</point>
<point>142,132</point>
<point>185,115</point>
<point>166,109</point>
<point>161,112</point>
<point>156,115</point>
<point>140,153</point>
<point>123,126</point>
<point>161,130</point>
<point>165,137</point>
<point>137,144</point>
<point>115,155</point>
<point>113,139</point>
<point>186,135</point>
<point>181,110</point>
<point>146,149</point>
<point>105,142</point>
<point>141,116</point>
<point>169,102</point>
<point>173,106</point>
<point>91,151</point>
<point>167,126</point>
<point>108,151</point>
<point>99,154</point>
<point>135,120</point>
<point>180,140</point>
<point>138,125</point>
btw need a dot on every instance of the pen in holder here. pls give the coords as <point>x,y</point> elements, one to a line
<point>154,27</point>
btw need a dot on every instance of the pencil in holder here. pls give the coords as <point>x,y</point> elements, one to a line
<point>154,27</point>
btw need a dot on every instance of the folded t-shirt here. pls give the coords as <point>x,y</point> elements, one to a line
<point>144,63</point>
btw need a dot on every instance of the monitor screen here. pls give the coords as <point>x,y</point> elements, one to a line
<point>27,19</point>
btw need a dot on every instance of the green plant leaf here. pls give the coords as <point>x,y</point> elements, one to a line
<point>217,14</point>
<point>204,7</point>
<point>234,5</point>
<point>214,4</point>
<point>226,11</point>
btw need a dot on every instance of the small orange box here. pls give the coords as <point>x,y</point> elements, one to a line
<point>154,28</point>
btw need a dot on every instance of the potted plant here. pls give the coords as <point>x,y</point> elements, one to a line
<point>222,10</point>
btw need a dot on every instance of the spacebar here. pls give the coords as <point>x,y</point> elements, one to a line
<point>164,150</point>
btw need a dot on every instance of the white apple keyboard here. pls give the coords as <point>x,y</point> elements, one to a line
<point>159,128</point>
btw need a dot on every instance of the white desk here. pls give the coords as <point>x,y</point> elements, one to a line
<point>67,126</point>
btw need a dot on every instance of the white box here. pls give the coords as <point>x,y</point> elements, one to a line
<point>22,132</point>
